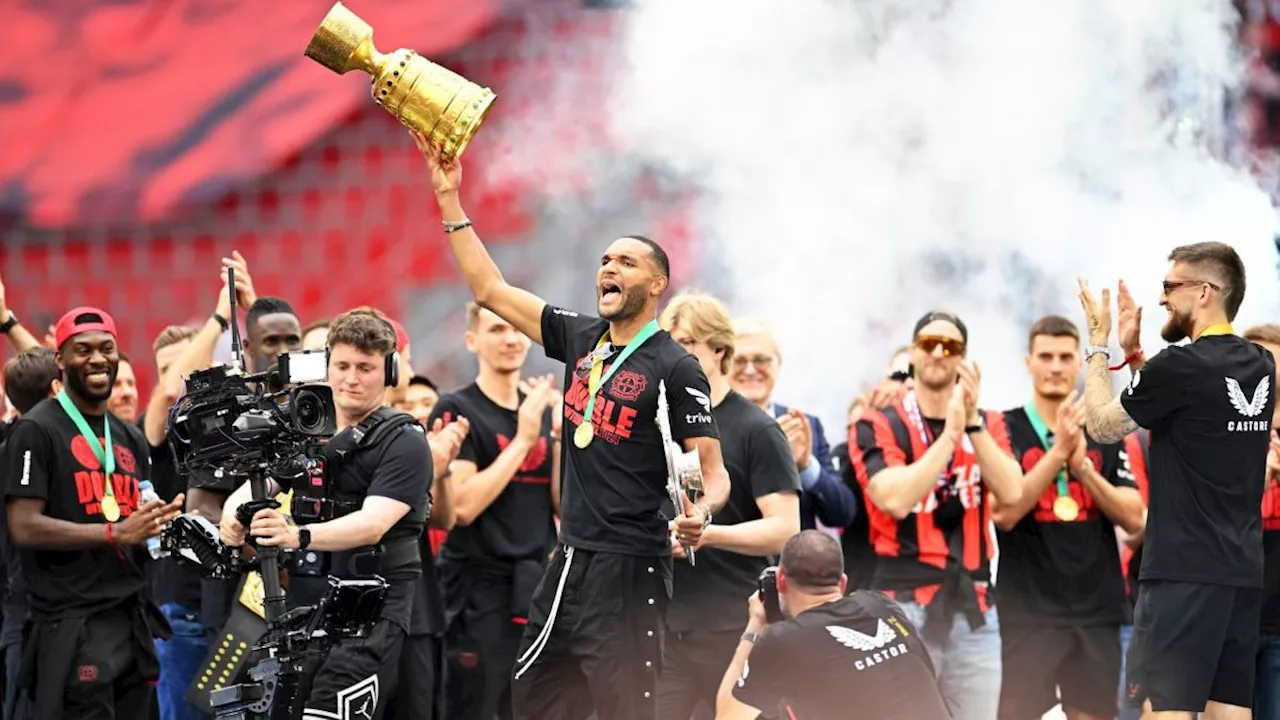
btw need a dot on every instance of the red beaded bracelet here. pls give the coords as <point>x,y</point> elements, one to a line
<point>1136,354</point>
<point>111,538</point>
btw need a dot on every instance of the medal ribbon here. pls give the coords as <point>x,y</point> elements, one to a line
<point>1219,329</point>
<point>597,365</point>
<point>1037,424</point>
<point>926,438</point>
<point>105,455</point>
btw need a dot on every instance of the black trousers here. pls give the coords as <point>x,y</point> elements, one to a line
<point>594,638</point>
<point>693,666</point>
<point>421,692</point>
<point>482,643</point>
<point>101,667</point>
<point>358,678</point>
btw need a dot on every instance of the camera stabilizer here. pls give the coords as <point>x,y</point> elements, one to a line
<point>252,435</point>
<point>348,610</point>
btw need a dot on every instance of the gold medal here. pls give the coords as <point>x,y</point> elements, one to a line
<point>110,508</point>
<point>582,436</point>
<point>1066,508</point>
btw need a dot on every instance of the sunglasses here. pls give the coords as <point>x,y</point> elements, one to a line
<point>1171,285</point>
<point>950,346</point>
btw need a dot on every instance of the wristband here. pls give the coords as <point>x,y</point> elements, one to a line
<point>111,538</point>
<point>1136,354</point>
<point>452,227</point>
<point>706,514</point>
<point>225,323</point>
<point>9,324</point>
<point>750,637</point>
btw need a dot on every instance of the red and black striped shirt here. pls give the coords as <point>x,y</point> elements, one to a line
<point>949,530</point>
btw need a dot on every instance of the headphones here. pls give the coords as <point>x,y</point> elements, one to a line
<point>391,363</point>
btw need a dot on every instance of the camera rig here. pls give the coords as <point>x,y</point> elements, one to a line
<point>251,428</point>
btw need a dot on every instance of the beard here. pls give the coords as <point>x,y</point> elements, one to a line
<point>1177,327</point>
<point>75,383</point>
<point>632,305</point>
<point>935,378</point>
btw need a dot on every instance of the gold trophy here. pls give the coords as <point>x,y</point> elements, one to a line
<point>419,93</point>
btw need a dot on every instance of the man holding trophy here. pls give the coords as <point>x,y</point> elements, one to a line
<point>596,620</point>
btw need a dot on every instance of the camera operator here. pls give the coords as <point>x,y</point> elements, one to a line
<point>833,653</point>
<point>74,472</point>
<point>375,506</point>
<point>30,377</point>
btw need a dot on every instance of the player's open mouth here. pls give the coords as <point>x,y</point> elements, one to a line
<point>97,378</point>
<point>610,291</point>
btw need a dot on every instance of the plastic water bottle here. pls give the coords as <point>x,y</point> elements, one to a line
<point>148,495</point>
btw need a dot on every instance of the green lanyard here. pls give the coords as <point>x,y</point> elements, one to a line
<point>582,436</point>
<point>1037,423</point>
<point>105,455</point>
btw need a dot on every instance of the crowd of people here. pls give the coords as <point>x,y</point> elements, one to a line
<point>538,567</point>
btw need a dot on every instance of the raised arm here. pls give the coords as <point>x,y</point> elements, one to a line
<point>519,307</point>
<point>19,337</point>
<point>1105,418</point>
<point>894,486</point>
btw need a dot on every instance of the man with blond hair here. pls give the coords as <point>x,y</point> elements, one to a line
<point>175,585</point>
<point>706,616</point>
<point>753,373</point>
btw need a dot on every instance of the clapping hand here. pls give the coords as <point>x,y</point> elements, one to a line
<point>1097,313</point>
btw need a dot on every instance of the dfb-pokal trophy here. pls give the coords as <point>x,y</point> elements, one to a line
<point>419,93</point>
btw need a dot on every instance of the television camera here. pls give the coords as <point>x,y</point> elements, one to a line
<point>251,427</point>
<point>230,422</point>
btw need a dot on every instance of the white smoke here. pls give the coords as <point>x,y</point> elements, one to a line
<point>862,162</point>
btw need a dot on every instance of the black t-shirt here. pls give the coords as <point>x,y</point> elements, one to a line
<point>397,466</point>
<point>15,588</point>
<point>172,580</point>
<point>612,491</point>
<point>859,655</point>
<point>1055,572</point>
<point>519,524</point>
<point>712,594</point>
<point>49,459</point>
<point>1208,406</point>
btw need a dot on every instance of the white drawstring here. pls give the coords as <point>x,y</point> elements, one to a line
<point>544,637</point>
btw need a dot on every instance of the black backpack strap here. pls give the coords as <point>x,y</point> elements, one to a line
<point>379,425</point>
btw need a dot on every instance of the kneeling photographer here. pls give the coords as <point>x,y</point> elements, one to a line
<point>812,653</point>
<point>363,520</point>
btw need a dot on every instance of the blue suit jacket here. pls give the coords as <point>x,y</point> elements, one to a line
<point>825,497</point>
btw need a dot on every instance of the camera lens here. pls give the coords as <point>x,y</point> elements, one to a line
<point>309,412</point>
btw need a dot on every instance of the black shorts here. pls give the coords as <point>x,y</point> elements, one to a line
<point>602,647</point>
<point>1193,642</point>
<point>1082,662</point>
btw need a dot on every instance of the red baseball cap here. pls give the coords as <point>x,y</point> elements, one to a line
<point>82,319</point>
